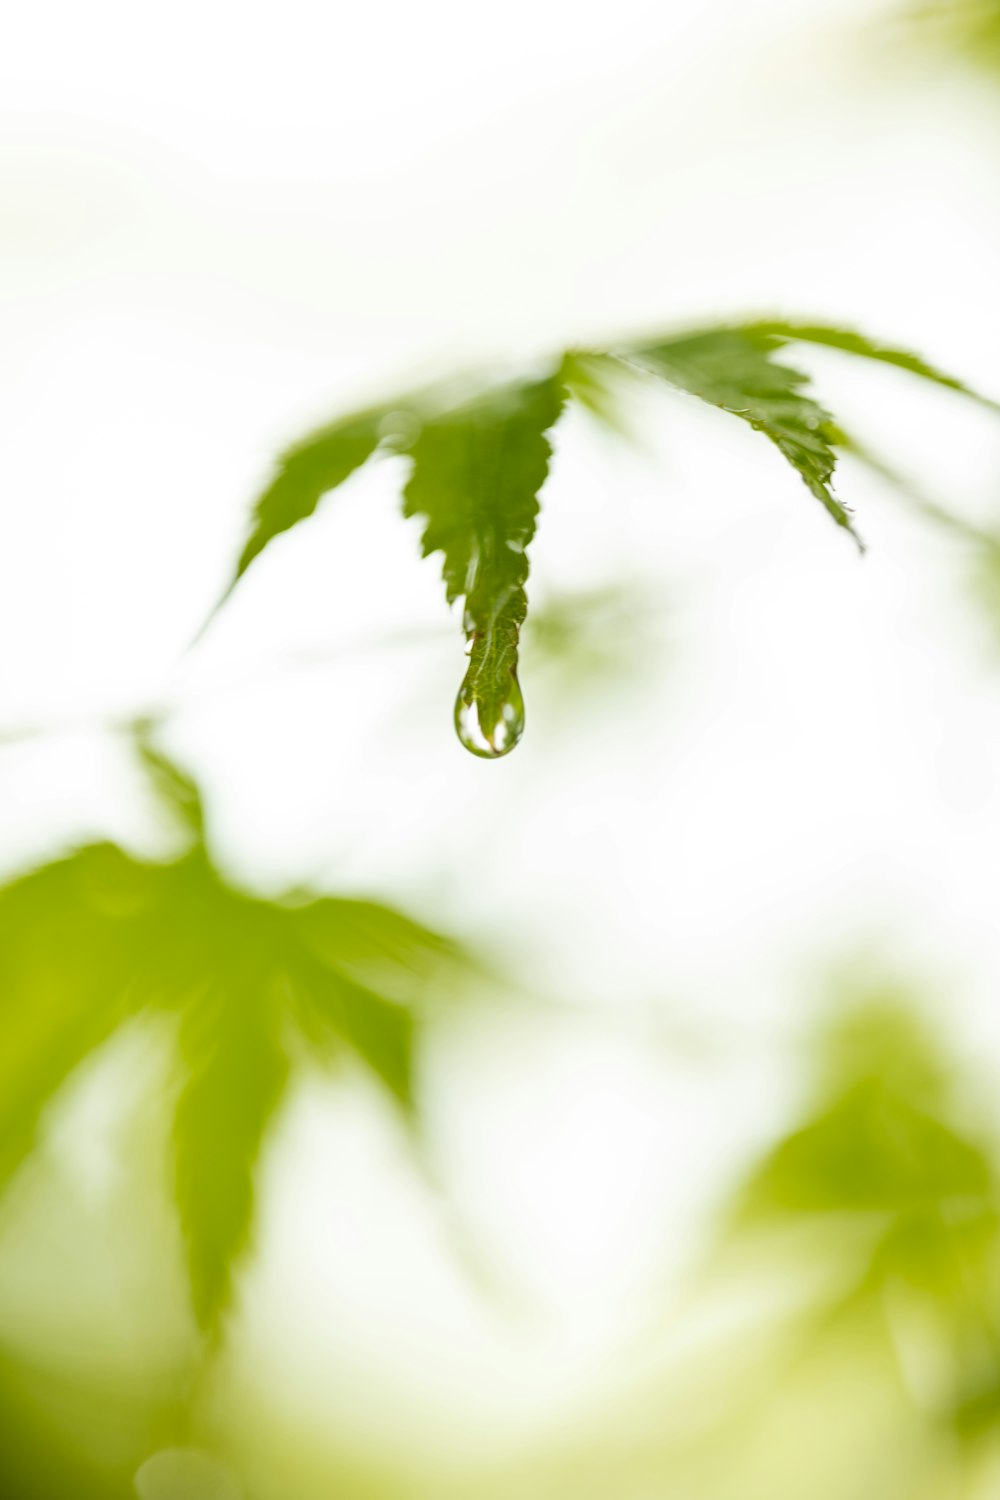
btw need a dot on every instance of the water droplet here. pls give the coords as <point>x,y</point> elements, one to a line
<point>485,728</point>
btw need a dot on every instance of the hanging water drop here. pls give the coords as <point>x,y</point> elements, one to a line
<point>486,724</point>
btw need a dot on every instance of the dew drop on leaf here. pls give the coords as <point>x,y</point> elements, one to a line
<point>485,726</point>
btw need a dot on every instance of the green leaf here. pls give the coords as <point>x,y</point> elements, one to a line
<point>376,945</point>
<point>361,968</point>
<point>851,342</point>
<point>174,788</point>
<point>89,941</point>
<point>879,1138</point>
<point>597,383</point>
<point>476,476</point>
<point>733,369</point>
<point>237,1068</point>
<point>338,1012</point>
<point>881,1163</point>
<point>307,472</point>
<point>69,946</point>
<point>478,466</point>
<point>872,1150</point>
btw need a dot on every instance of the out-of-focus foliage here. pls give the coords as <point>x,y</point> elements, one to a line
<point>969,27</point>
<point>63,1434</point>
<point>35,1464</point>
<point>588,644</point>
<point>480,462</point>
<point>878,1373</point>
<point>89,941</point>
<point>899,1173</point>
<point>841,1335</point>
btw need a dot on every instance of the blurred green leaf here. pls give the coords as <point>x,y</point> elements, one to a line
<point>588,644</point>
<point>236,1070</point>
<point>976,1411</point>
<point>41,1461</point>
<point>476,476</point>
<point>371,943</point>
<point>879,1140</point>
<point>378,1031</point>
<point>970,28</point>
<point>597,382</point>
<point>68,959</point>
<point>175,790</point>
<point>871,1150</point>
<point>92,939</point>
<point>906,1193</point>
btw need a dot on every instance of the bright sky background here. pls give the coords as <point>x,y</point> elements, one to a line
<point>223,224</point>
